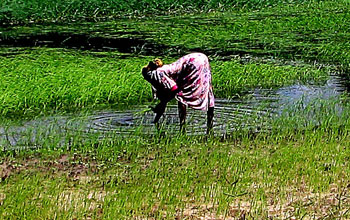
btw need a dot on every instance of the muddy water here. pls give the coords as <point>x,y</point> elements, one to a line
<point>253,113</point>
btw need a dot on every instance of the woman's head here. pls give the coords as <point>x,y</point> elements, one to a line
<point>158,62</point>
<point>153,65</point>
<point>158,79</point>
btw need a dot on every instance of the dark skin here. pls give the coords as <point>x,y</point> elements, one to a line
<point>161,106</point>
<point>166,96</point>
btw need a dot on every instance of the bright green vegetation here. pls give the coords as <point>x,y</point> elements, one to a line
<point>62,10</point>
<point>301,32</point>
<point>48,79</point>
<point>44,80</point>
<point>300,173</point>
<point>300,168</point>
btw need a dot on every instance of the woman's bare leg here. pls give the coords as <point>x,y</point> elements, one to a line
<point>210,116</point>
<point>182,116</point>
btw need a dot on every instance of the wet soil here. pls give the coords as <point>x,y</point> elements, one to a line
<point>73,166</point>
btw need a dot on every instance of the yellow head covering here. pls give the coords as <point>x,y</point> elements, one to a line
<point>158,62</point>
<point>152,65</point>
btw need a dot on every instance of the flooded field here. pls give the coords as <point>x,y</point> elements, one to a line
<point>254,112</point>
<point>76,134</point>
<point>82,64</point>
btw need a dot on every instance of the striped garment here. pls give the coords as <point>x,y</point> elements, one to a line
<point>190,76</point>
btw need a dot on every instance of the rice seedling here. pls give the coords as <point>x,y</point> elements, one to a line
<point>296,168</point>
<point>283,173</point>
<point>49,80</point>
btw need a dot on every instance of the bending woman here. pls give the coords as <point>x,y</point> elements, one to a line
<point>188,80</point>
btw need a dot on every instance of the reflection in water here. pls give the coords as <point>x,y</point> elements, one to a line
<point>251,113</point>
<point>124,42</point>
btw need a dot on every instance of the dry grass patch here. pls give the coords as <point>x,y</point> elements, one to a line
<point>75,167</point>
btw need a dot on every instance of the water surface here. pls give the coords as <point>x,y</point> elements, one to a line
<point>253,112</point>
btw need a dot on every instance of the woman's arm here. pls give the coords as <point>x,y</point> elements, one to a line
<point>164,97</point>
<point>159,110</point>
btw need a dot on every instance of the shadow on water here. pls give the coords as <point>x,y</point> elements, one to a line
<point>252,113</point>
<point>136,36</point>
<point>130,43</point>
<point>133,44</point>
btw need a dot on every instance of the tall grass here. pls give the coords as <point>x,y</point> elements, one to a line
<point>46,80</point>
<point>298,170</point>
<point>61,10</point>
<point>275,175</point>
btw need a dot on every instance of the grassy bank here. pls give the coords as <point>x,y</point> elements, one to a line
<point>288,173</point>
<point>64,10</point>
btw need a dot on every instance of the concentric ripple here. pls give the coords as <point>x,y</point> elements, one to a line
<point>252,113</point>
<point>228,115</point>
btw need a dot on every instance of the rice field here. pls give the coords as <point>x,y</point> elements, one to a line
<point>65,60</point>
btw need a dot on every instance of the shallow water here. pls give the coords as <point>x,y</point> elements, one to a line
<point>253,113</point>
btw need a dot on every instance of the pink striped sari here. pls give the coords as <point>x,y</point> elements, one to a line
<point>190,76</point>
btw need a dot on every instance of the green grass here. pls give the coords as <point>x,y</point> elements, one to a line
<point>301,172</point>
<point>300,168</point>
<point>44,80</point>
<point>63,10</point>
<point>47,80</point>
<point>288,172</point>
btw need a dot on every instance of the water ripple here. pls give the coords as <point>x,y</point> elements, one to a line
<point>251,113</point>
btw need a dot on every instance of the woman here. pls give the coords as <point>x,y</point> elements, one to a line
<point>188,80</point>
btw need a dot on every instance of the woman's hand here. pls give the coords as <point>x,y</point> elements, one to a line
<point>159,110</point>
<point>164,97</point>
<point>145,69</point>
